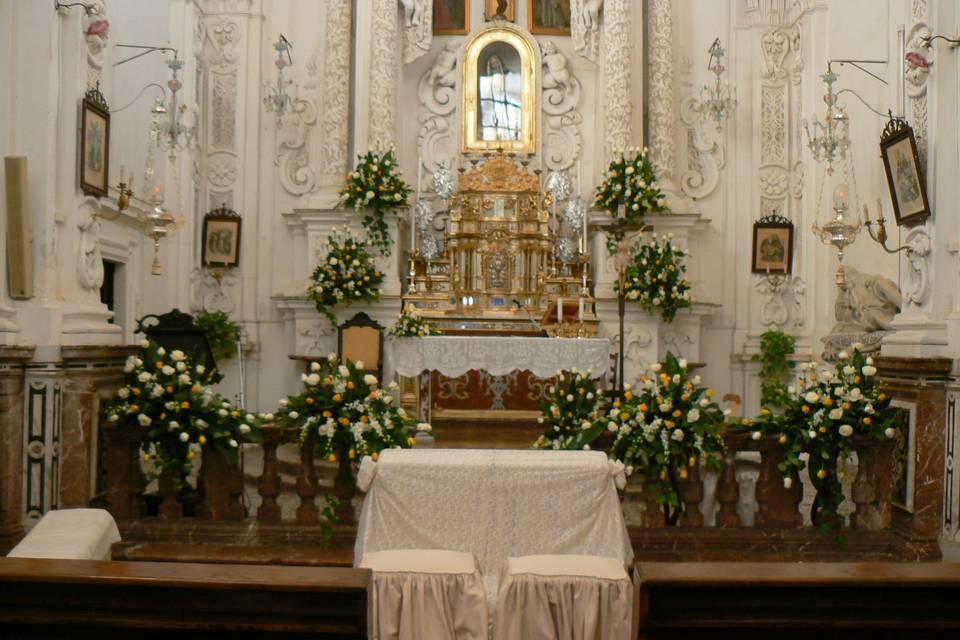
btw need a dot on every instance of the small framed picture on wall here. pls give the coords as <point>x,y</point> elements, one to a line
<point>548,17</point>
<point>908,190</point>
<point>94,144</point>
<point>451,17</point>
<point>500,10</point>
<point>772,245</point>
<point>221,238</point>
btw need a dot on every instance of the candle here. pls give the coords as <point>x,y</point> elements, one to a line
<point>413,231</point>
<point>580,311</point>
<point>586,214</point>
<point>559,315</point>
<point>419,176</point>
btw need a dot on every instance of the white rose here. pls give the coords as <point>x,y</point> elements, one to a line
<point>890,432</point>
<point>812,434</point>
<point>424,427</point>
<point>249,417</point>
<point>314,366</point>
<point>693,415</point>
<point>184,436</point>
<point>845,430</point>
<point>177,355</point>
<point>787,483</point>
<point>696,380</point>
<point>343,371</point>
<point>144,343</point>
<point>128,365</point>
<point>655,367</point>
<point>200,369</point>
<point>677,435</point>
<point>811,397</point>
<point>161,352</point>
<point>756,435</point>
<point>676,378</point>
<point>267,416</point>
<point>569,397</point>
<point>244,429</point>
<point>333,262</point>
<point>223,413</point>
<point>233,443</point>
<point>123,393</point>
<point>683,363</point>
<point>611,426</point>
<point>284,402</point>
<point>113,417</point>
<point>370,380</point>
<point>172,425</point>
<point>848,370</point>
<point>293,415</point>
<point>836,414</point>
<point>144,377</point>
<point>181,366</point>
<point>184,378</point>
<point>869,360</point>
<point>313,379</point>
<point>144,420</point>
<point>359,364</point>
<point>869,370</point>
<point>167,370</point>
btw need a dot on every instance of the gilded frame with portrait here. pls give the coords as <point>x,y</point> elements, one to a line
<point>518,131</point>
<point>94,144</point>
<point>221,238</point>
<point>448,19</point>
<point>908,188</point>
<point>539,23</point>
<point>772,246</point>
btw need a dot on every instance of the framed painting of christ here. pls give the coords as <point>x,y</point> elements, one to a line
<point>549,17</point>
<point>451,17</point>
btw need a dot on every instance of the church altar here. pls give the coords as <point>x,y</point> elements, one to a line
<point>494,504</point>
<point>488,361</point>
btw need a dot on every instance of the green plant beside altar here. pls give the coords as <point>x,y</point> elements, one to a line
<point>374,187</point>
<point>776,367</point>
<point>412,324</point>
<point>665,430</point>
<point>347,274</point>
<point>827,415</point>
<point>166,402</point>
<point>571,412</point>
<point>222,333</point>
<point>654,277</point>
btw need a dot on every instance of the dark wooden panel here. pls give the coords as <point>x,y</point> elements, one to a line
<point>111,599</point>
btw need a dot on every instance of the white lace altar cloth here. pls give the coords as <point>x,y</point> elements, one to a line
<point>453,356</point>
<point>493,503</point>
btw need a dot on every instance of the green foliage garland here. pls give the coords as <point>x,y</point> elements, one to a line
<point>776,347</point>
<point>667,426</point>
<point>346,275</point>
<point>221,331</point>
<point>375,186</point>
<point>166,403</point>
<point>654,278</point>
<point>571,412</point>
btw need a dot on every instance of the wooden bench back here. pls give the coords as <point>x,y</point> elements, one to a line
<point>784,600</point>
<point>92,599</point>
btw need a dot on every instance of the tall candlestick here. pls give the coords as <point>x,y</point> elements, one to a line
<point>580,311</point>
<point>559,315</point>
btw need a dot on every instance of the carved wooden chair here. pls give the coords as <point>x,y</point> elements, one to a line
<point>361,339</point>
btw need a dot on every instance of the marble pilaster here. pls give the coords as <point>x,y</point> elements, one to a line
<point>12,360</point>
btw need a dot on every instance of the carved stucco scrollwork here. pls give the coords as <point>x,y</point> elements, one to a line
<point>223,129</point>
<point>707,153</point>
<point>917,286</point>
<point>96,30</point>
<point>213,291</point>
<point>917,74</point>
<point>775,45</point>
<point>585,27</point>
<point>438,94</point>
<point>417,28</point>
<point>561,95</point>
<point>315,336</point>
<point>297,176</point>
<point>89,259</point>
<point>783,304</point>
<point>616,57</point>
<point>916,78</point>
<point>336,92</point>
<point>222,36</point>
<point>677,340</point>
<point>222,170</point>
<point>660,84</point>
<point>383,72</point>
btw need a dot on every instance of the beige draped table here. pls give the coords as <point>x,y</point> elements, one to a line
<point>453,356</point>
<point>494,504</point>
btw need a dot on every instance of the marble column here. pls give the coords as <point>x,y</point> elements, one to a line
<point>616,56</point>
<point>384,72</point>
<point>91,377</point>
<point>660,82</point>
<point>12,361</point>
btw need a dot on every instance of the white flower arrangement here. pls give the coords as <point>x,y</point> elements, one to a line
<point>411,323</point>
<point>572,412</point>
<point>631,182</point>
<point>373,187</point>
<point>655,277</point>
<point>346,275</point>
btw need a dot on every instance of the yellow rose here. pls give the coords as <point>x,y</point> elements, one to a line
<point>822,474</point>
<point>202,440</point>
<point>411,441</point>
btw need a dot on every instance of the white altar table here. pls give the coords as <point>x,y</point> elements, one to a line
<point>493,503</point>
<point>453,356</point>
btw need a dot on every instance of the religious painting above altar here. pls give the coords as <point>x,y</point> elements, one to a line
<point>549,17</point>
<point>500,85</point>
<point>451,17</point>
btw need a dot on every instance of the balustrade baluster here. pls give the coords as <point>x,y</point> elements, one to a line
<point>125,481</point>
<point>653,515</point>
<point>691,494</point>
<point>871,489</point>
<point>779,507</point>
<point>222,487</point>
<point>728,494</point>
<point>307,512</point>
<point>268,485</point>
<point>170,506</point>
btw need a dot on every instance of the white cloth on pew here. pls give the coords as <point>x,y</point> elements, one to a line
<point>70,534</point>
<point>494,504</point>
<point>563,597</point>
<point>418,593</point>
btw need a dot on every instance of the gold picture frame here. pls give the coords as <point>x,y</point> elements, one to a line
<point>94,144</point>
<point>445,23</point>
<point>518,132</point>
<point>535,9</point>
<point>490,8</point>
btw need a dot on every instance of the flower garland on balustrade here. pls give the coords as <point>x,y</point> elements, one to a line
<point>346,275</point>
<point>376,186</point>
<point>411,324</point>
<point>655,277</point>
<point>571,412</point>
<point>670,424</point>
<point>822,415</point>
<point>166,402</point>
<point>632,182</point>
<point>349,413</point>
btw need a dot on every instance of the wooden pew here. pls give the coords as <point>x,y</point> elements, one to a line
<point>139,600</point>
<point>680,600</point>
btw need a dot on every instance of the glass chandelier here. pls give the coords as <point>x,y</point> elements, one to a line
<point>831,135</point>
<point>275,97</point>
<point>720,99</point>
<point>173,135</point>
